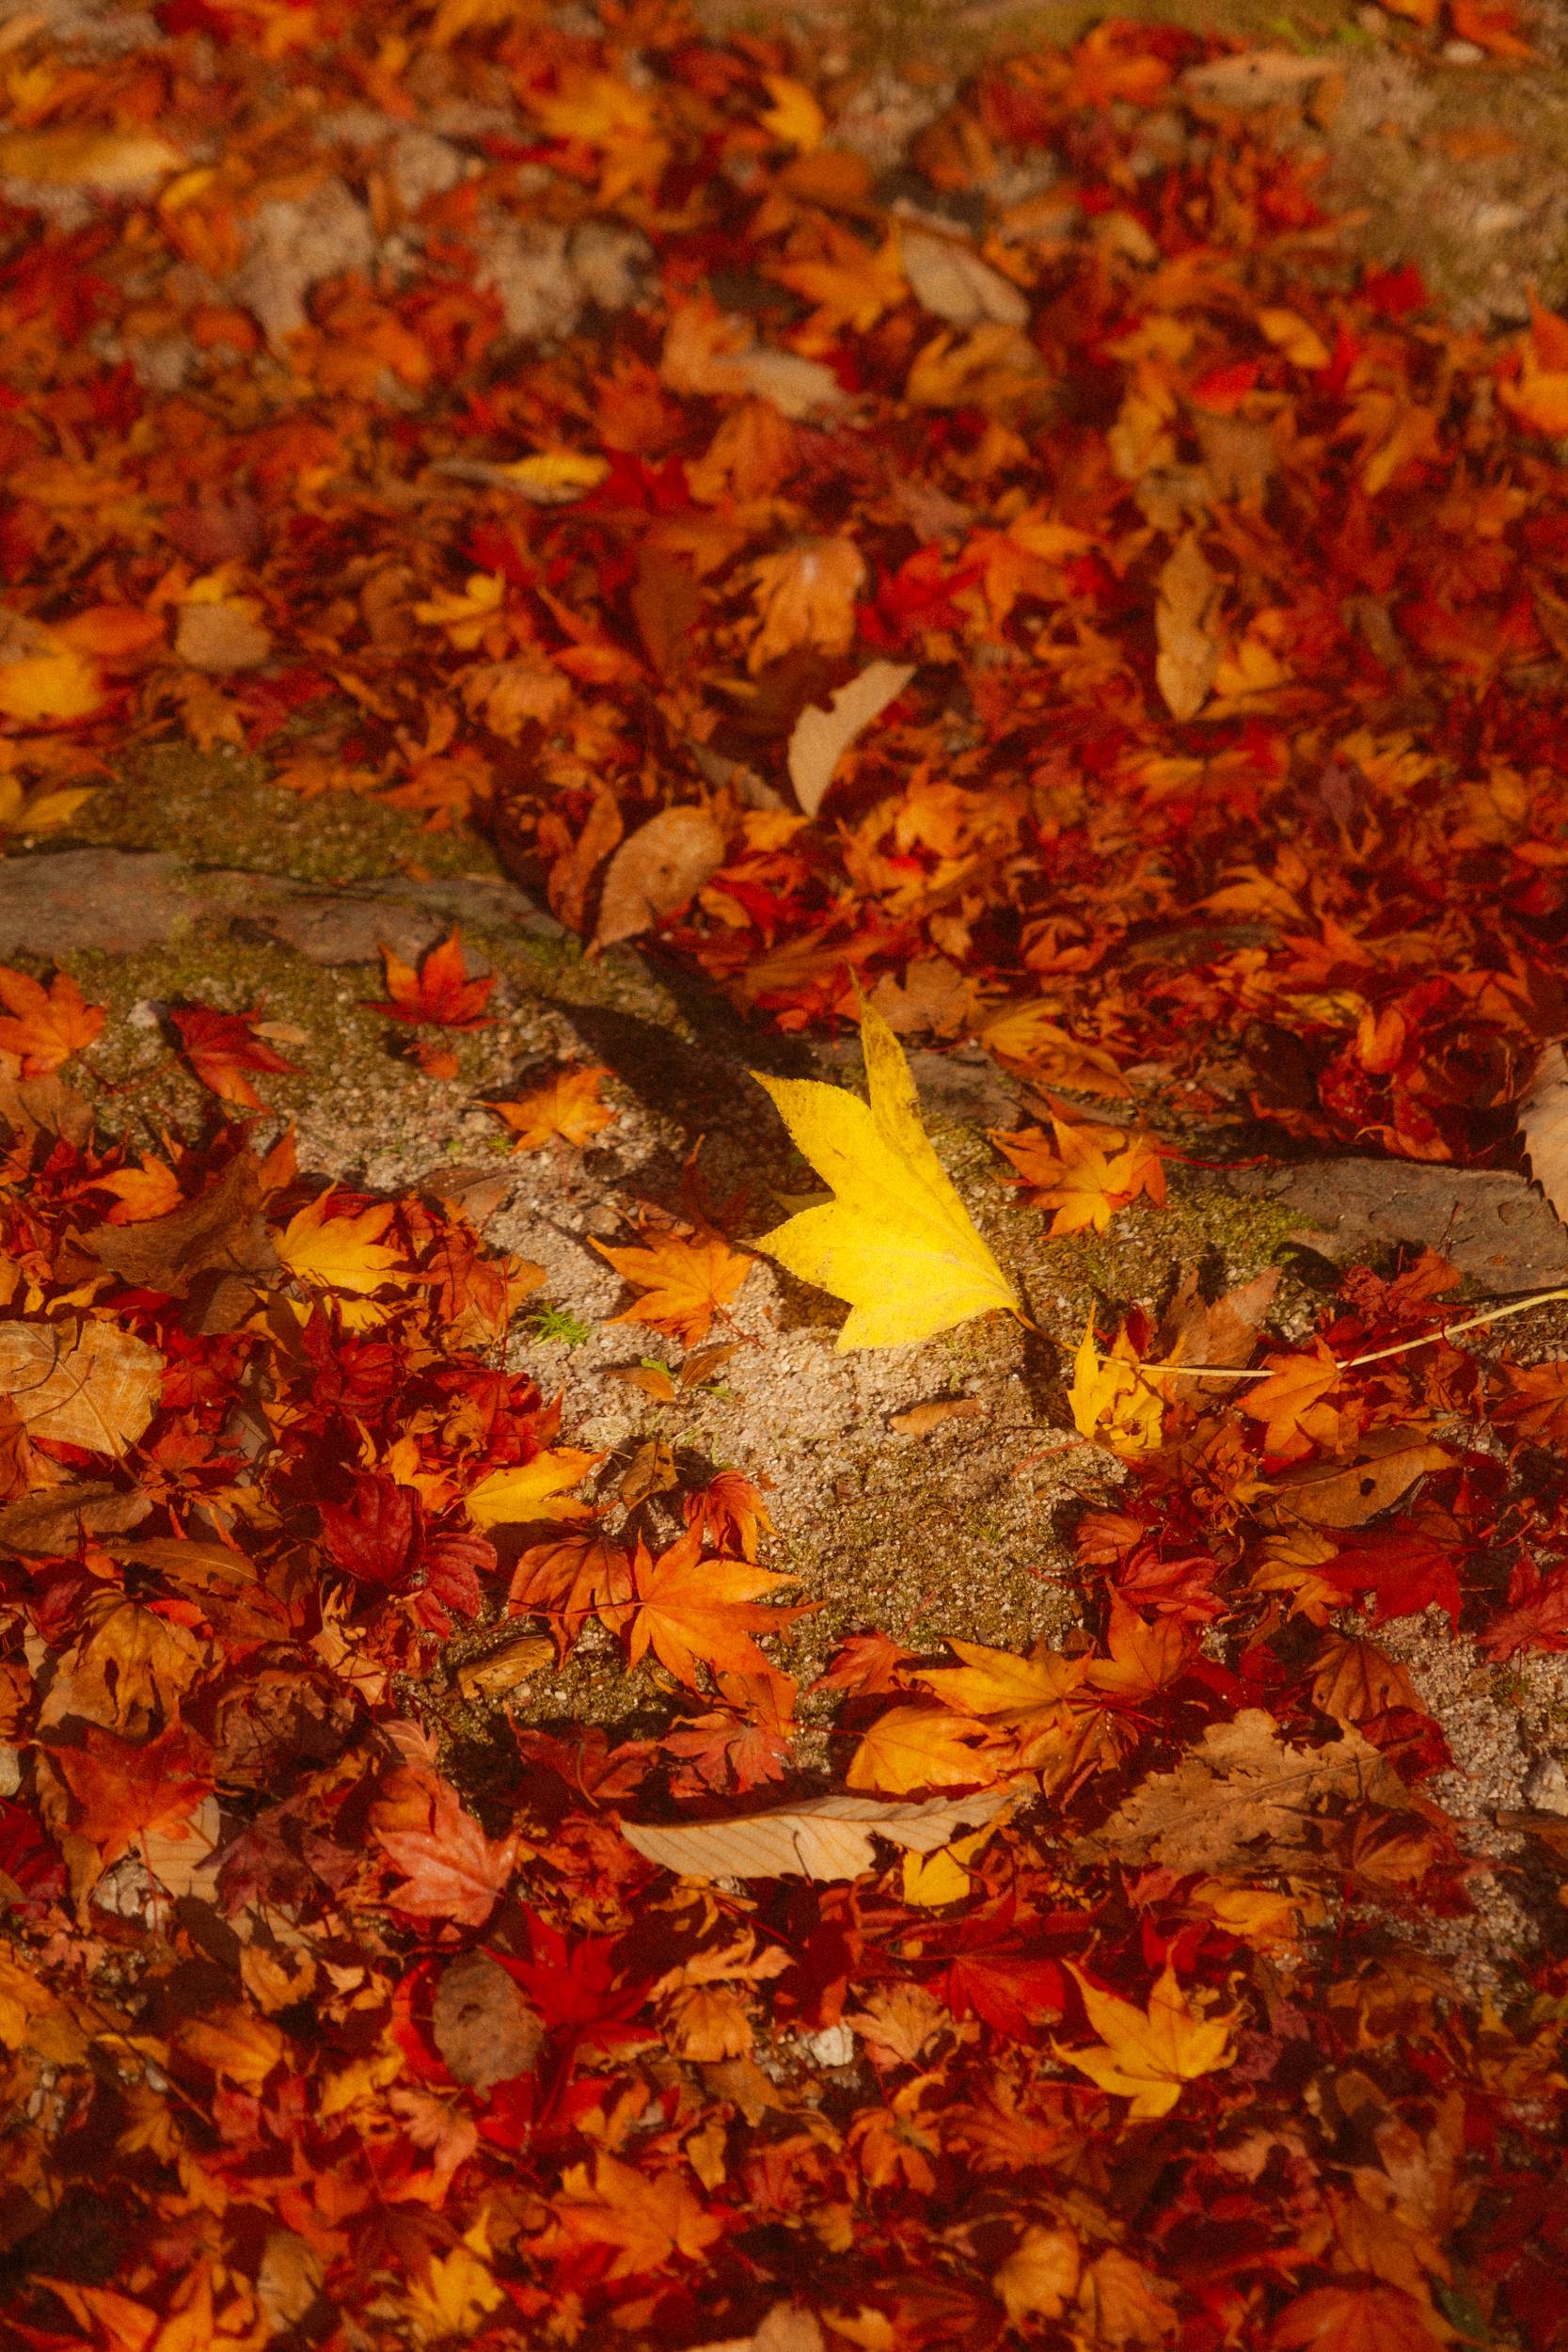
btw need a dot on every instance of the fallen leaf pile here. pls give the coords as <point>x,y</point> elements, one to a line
<point>1078,612</point>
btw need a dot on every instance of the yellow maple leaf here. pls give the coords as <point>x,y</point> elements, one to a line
<point>896,1240</point>
<point>1147,2055</point>
<point>1113,1401</point>
<point>921,1747</point>
<point>338,1254</point>
<point>533,1490</point>
<point>455,2295</point>
<point>795,118</point>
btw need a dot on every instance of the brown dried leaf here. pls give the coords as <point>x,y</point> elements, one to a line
<point>222,1231</point>
<point>1356,1678</point>
<point>87,1384</point>
<point>659,868</point>
<point>1240,1797</point>
<point>1196,1330</point>
<point>1183,623</point>
<point>57,1519</point>
<point>502,1670</point>
<point>1326,1495</point>
<point>1544,1127</point>
<point>920,1420</point>
<point>482,2025</point>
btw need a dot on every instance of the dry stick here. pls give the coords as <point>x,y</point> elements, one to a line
<point>1375,1355</point>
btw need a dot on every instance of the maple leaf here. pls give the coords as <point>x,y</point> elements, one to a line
<point>686,1281</point>
<point>896,1240</point>
<point>439,991</point>
<point>221,1047</point>
<point>1358,2319</point>
<point>691,1608</point>
<point>571,1580</point>
<point>452,1871</point>
<point>124,1788</point>
<point>1148,2054</point>
<point>807,598</point>
<point>1290,1402</point>
<point>567,1106</point>
<point>535,1489</point>
<point>649,2220</point>
<point>1089,1174</point>
<point>44,1026</point>
<point>921,1747</point>
<point>1112,1400</point>
<point>331,1249</point>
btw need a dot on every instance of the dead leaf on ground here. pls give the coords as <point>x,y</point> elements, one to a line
<point>505,1669</point>
<point>951,281</point>
<point>220,638</point>
<point>1544,1127</point>
<point>1325,1494</point>
<point>1196,1331</point>
<point>222,1231</point>
<point>820,737</point>
<point>87,1384</point>
<point>829,1837</point>
<point>918,1421</point>
<point>1184,616</point>
<point>484,2029</point>
<point>1260,77</point>
<point>54,1521</point>
<point>1242,1795</point>
<point>657,869</point>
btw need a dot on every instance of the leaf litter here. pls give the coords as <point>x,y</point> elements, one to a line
<point>1218,771</point>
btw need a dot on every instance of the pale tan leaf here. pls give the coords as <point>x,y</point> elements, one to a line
<point>820,737</point>
<point>486,2030</point>
<point>1544,1127</point>
<point>657,869</point>
<point>218,638</point>
<point>1242,1797</point>
<point>951,281</point>
<point>920,1420</point>
<point>1189,652</point>
<point>829,1837</point>
<point>87,1384</point>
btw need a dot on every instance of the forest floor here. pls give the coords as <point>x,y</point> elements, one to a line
<point>337,2009</point>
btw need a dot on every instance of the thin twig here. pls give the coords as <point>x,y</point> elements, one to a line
<point>1372,1356</point>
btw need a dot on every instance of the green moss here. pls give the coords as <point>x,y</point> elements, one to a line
<point>216,808</point>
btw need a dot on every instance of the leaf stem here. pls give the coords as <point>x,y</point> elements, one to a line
<point>1373,1355</point>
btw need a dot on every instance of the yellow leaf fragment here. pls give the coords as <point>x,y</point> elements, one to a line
<point>1148,2054</point>
<point>896,1240</point>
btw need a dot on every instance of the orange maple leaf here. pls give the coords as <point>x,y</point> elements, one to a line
<point>44,1026</point>
<point>686,1280</point>
<point>452,1871</point>
<point>1290,1402</point>
<point>571,1580</point>
<point>647,2219</point>
<point>1083,1173</point>
<point>439,991</point>
<point>567,1104</point>
<point>221,1047</point>
<point>1358,2319</point>
<point>691,1608</point>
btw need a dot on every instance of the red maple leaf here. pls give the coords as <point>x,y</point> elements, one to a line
<point>221,1047</point>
